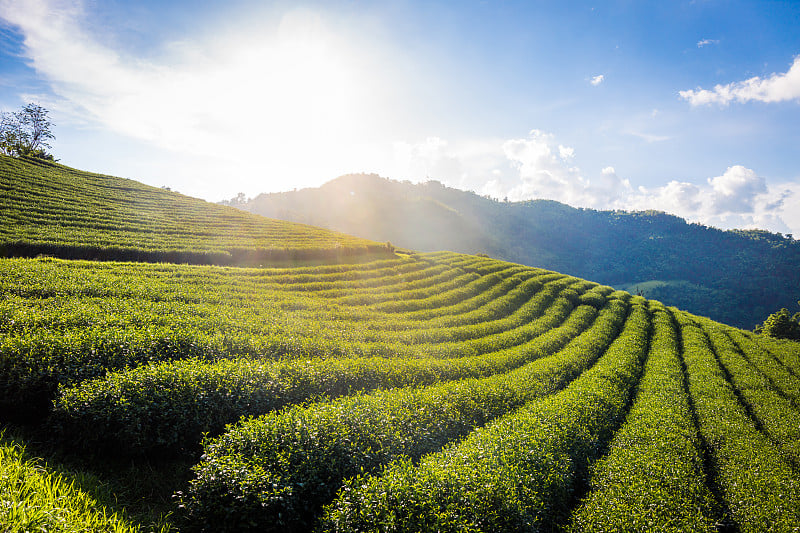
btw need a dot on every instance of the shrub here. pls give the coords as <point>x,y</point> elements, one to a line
<point>275,472</point>
<point>516,474</point>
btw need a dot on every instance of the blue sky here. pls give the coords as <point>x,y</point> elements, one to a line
<point>688,107</point>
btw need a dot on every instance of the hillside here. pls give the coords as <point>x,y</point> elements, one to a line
<point>737,277</point>
<point>46,208</point>
<point>436,391</point>
<point>415,391</point>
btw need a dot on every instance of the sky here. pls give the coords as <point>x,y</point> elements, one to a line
<point>689,107</point>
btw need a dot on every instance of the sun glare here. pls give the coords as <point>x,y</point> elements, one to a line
<point>296,90</point>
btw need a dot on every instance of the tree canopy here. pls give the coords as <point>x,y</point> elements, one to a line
<point>26,132</point>
<point>782,326</point>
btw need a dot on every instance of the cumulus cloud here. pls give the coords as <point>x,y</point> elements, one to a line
<point>537,166</point>
<point>543,169</point>
<point>565,152</point>
<point>706,42</point>
<point>676,197</point>
<point>739,198</point>
<point>736,190</point>
<point>775,88</point>
<point>597,80</point>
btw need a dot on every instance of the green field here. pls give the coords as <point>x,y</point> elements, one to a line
<point>390,392</point>
<point>47,208</point>
<point>426,392</point>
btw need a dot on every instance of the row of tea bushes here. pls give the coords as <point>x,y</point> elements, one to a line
<point>652,478</point>
<point>273,473</point>
<point>772,412</point>
<point>516,474</point>
<point>759,490</point>
<point>167,407</point>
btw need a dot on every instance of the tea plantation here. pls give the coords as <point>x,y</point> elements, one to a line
<point>401,392</point>
<point>47,208</point>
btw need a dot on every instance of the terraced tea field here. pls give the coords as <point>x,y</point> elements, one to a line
<point>419,392</point>
<point>47,208</point>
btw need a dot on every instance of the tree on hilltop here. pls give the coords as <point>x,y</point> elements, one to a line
<point>781,326</point>
<point>26,132</point>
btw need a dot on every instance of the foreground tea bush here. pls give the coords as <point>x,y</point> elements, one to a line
<point>275,472</point>
<point>516,474</point>
<point>760,490</point>
<point>652,477</point>
<point>772,410</point>
<point>34,364</point>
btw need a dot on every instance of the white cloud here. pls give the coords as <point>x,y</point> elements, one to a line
<point>776,88</point>
<point>736,190</point>
<point>543,172</point>
<point>597,80</point>
<point>542,169</point>
<point>706,42</point>
<point>649,137</point>
<point>538,167</point>
<point>520,169</point>
<point>680,198</point>
<point>739,198</point>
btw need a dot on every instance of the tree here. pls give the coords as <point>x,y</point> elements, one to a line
<point>26,132</point>
<point>10,131</point>
<point>239,199</point>
<point>781,326</point>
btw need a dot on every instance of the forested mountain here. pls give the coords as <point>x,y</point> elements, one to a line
<point>737,277</point>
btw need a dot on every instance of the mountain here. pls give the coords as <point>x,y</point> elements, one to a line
<point>736,277</point>
<point>47,208</point>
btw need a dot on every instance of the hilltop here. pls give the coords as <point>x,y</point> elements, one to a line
<point>737,277</point>
<point>47,208</point>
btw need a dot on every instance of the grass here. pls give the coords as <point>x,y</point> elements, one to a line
<point>47,208</point>
<point>36,498</point>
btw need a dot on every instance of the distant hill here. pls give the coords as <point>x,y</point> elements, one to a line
<point>737,277</point>
<point>47,208</point>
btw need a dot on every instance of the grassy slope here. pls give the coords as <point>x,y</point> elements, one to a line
<point>53,209</point>
<point>407,311</point>
<point>63,323</point>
